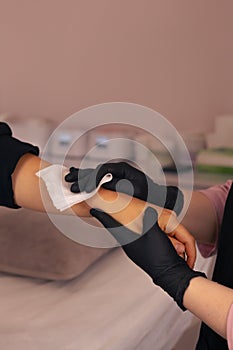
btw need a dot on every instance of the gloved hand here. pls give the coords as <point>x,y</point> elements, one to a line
<point>169,197</point>
<point>152,252</point>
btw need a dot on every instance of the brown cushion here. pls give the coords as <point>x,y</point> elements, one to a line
<point>31,245</point>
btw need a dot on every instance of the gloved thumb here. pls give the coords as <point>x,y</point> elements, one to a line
<point>149,219</point>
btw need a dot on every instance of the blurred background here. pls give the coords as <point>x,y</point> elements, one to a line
<point>58,57</point>
<point>175,57</point>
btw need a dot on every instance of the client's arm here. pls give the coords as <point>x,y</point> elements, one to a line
<point>30,192</point>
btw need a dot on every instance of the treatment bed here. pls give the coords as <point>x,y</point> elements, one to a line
<point>111,305</point>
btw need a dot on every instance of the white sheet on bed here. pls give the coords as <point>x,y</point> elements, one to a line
<point>112,306</point>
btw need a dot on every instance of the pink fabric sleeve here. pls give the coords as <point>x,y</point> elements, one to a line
<point>230,328</point>
<point>218,196</point>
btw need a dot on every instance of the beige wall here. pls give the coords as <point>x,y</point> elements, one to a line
<point>176,56</point>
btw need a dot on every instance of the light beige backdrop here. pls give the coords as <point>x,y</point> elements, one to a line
<point>57,57</point>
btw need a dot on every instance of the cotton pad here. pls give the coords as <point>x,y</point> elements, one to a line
<point>59,190</point>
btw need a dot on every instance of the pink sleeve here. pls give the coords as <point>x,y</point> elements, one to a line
<point>230,328</point>
<point>218,196</point>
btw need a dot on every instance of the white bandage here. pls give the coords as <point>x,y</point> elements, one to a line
<point>59,190</point>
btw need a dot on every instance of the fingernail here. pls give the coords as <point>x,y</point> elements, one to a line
<point>180,249</point>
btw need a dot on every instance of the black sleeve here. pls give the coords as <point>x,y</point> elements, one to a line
<point>11,150</point>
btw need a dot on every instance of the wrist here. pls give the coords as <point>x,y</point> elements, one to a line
<point>194,284</point>
<point>177,280</point>
<point>186,286</point>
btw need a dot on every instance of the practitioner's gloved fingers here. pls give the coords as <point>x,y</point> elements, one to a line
<point>94,176</point>
<point>79,177</point>
<point>73,175</point>
<point>80,186</point>
<point>86,181</point>
<point>119,171</point>
<point>144,188</point>
<point>77,174</point>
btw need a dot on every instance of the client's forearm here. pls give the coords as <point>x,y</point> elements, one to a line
<point>30,192</point>
<point>123,208</point>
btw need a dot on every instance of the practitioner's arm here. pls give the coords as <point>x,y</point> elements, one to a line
<point>154,254</point>
<point>200,218</point>
<point>210,302</point>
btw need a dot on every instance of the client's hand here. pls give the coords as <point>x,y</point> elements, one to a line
<point>144,188</point>
<point>153,253</point>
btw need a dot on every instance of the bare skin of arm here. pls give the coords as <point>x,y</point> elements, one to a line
<point>210,302</point>
<point>31,193</point>
<point>200,218</point>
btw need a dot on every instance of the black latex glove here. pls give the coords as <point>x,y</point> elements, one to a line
<point>153,252</point>
<point>144,188</point>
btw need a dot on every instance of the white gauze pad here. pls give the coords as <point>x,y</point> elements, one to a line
<point>59,190</point>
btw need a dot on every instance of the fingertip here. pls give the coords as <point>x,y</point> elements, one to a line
<point>191,255</point>
<point>72,175</point>
<point>191,262</point>
<point>94,211</point>
<point>67,177</point>
<point>180,248</point>
<point>75,188</point>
